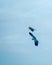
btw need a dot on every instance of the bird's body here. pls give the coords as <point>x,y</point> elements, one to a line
<point>34,38</point>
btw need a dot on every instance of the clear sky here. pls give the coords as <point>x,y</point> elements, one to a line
<point>16,46</point>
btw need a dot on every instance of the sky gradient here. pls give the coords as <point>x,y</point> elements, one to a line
<point>16,46</point>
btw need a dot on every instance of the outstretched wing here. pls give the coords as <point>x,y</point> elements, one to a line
<point>34,38</point>
<point>31,29</point>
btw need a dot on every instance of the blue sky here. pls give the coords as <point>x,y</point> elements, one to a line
<point>16,46</point>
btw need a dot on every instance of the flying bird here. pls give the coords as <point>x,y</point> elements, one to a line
<point>34,38</point>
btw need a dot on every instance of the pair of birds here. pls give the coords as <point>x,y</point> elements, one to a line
<point>33,37</point>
